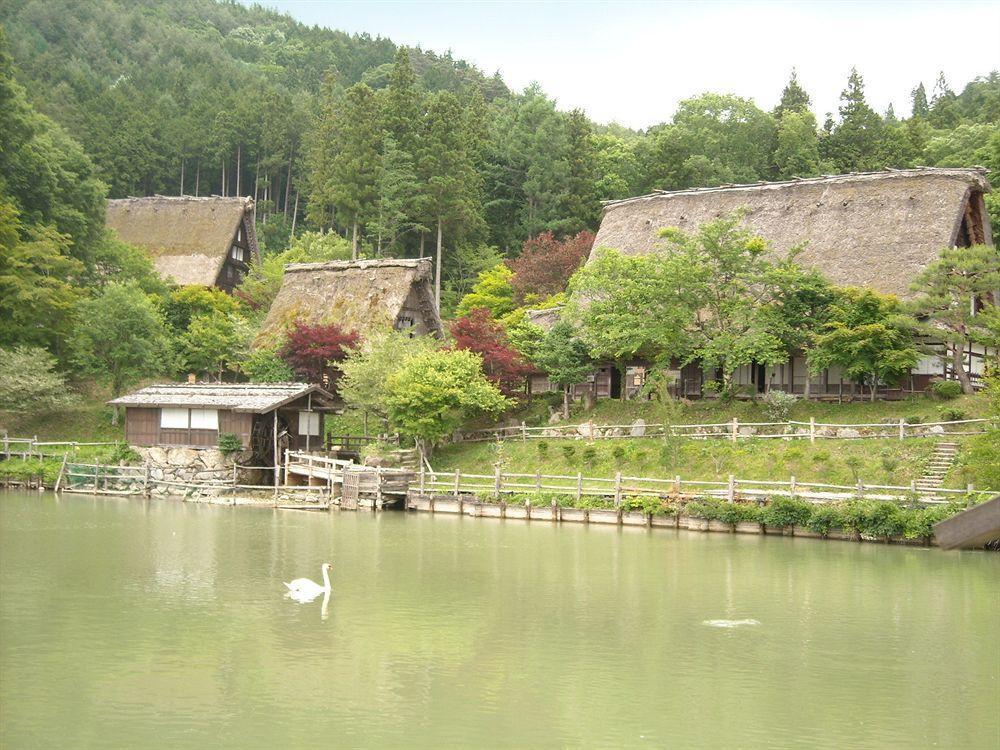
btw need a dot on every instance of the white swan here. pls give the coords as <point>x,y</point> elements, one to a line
<point>304,588</point>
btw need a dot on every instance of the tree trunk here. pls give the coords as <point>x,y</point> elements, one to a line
<point>288,183</point>
<point>437,273</point>
<point>874,387</point>
<point>239,169</point>
<point>114,417</point>
<point>256,182</point>
<point>958,365</point>
<point>182,176</point>
<point>354,241</point>
<point>566,401</point>
<point>223,180</point>
<point>805,388</point>
<point>422,235</point>
<point>295,214</point>
<point>197,177</point>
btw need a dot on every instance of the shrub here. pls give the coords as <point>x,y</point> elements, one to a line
<point>589,455</point>
<point>123,453</point>
<point>542,448</point>
<point>890,463</point>
<point>778,404</point>
<point>920,521</point>
<point>569,451</point>
<point>824,518</point>
<point>783,512</point>
<point>914,419</point>
<point>946,389</point>
<point>874,518</point>
<point>230,442</point>
<point>951,414</point>
<point>618,453</point>
<point>821,457</point>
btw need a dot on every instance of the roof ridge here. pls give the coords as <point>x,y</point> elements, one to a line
<point>888,173</point>
<point>362,263</point>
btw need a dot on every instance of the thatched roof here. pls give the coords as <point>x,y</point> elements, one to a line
<point>874,230</point>
<point>359,296</point>
<point>257,398</point>
<point>545,318</point>
<point>188,238</point>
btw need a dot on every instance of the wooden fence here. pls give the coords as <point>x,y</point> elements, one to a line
<point>27,448</point>
<point>576,487</point>
<point>734,430</point>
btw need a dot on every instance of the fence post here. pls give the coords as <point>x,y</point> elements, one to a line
<point>497,481</point>
<point>97,473</point>
<point>736,429</point>
<point>458,480</point>
<point>861,489</point>
<point>902,427</point>
<point>524,431</point>
<point>731,490</point>
<point>913,486</point>
<point>6,445</point>
<point>378,489</point>
<point>34,444</point>
<point>791,486</point>
<point>145,479</point>
<point>538,481</point>
<point>970,488</point>
<point>812,429</point>
<point>677,484</point>
<point>579,486</point>
<point>421,479</point>
<point>618,489</point>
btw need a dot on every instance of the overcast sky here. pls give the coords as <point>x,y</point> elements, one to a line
<point>631,62</point>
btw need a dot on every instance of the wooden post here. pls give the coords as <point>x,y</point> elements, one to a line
<point>145,480</point>
<point>286,466</point>
<point>497,481</point>
<point>97,474</point>
<point>677,484</point>
<point>378,489</point>
<point>61,470</point>
<point>736,429</point>
<point>274,436</point>
<point>422,479</point>
<point>524,431</point>
<point>913,486</point>
<point>6,445</point>
<point>618,489</point>
<point>902,427</point>
<point>791,486</point>
<point>538,481</point>
<point>861,489</point>
<point>812,429</point>
<point>579,487</point>
<point>970,488</point>
<point>34,444</point>
<point>731,490</point>
<point>458,475</point>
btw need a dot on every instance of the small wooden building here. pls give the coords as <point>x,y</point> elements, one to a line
<point>194,415</point>
<point>191,241</point>
<point>360,296</point>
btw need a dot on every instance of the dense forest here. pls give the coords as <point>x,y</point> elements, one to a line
<point>354,146</point>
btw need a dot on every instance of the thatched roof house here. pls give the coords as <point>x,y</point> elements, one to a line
<point>198,241</point>
<point>357,295</point>
<point>874,230</point>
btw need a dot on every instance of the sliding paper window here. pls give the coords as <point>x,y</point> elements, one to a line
<point>204,419</point>
<point>308,423</point>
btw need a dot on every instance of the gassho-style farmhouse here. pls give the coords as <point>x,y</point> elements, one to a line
<point>873,230</point>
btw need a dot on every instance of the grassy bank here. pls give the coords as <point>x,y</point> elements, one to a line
<point>833,462</point>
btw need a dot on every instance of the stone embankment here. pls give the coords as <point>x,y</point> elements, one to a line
<point>189,465</point>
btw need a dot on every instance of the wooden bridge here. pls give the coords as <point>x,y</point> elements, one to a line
<point>975,527</point>
<point>358,485</point>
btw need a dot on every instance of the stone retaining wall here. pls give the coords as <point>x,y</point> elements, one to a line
<point>189,465</point>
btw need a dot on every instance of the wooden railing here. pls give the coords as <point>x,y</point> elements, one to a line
<point>351,442</point>
<point>13,447</point>
<point>735,430</point>
<point>576,487</point>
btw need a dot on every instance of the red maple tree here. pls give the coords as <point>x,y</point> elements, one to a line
<point>478,332</point>
<point>545,264</point>
<point>313,351</point>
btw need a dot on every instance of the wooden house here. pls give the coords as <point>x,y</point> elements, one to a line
<point>874,230</point>
<point>191,241</point>
<point>194,415</point>
<point>359,296</point>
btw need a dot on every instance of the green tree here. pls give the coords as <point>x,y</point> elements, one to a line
<point>794,98</point>
<point>188,302</point>
<point>856,144</point>
<point>29,381</point>
<point>919,98</point>
<point>451,187</point>
<point>628,306</point>
<point>213,342</point>
<point>266,366</point>
<point>563,357</point>
<point>492,290</point>
<point>434,392</point>
<point>869,337</point>
<point>730,277</point>
<point>797,153</point>
<point>948,291</point>
<point>119,337</point>
<point>365,373</point>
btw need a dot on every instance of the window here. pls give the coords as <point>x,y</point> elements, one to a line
<point>308,423</point>
<point>174,419</point>
<point>204,419</point>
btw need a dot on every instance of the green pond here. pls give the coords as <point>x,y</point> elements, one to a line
<point>160,624</point>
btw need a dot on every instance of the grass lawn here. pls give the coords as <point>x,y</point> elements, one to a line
<point>607,411</point>
<point>89,421</point>
<point>833,462</point>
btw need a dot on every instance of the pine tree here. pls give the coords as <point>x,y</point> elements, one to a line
<point>395,202</point>
<point>919,97</point>
<point>856,142</point>
<point>581,209</point>
<point>793,98</point>
<point>450,185</point>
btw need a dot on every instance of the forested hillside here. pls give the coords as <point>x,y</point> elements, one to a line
<point>398,151</point>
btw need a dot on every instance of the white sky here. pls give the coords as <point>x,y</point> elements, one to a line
<point>631,62</point>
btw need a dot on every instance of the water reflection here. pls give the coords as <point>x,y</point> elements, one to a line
<point>308,597</point>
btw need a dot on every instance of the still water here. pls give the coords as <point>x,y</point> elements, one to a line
<point>159,624</point>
